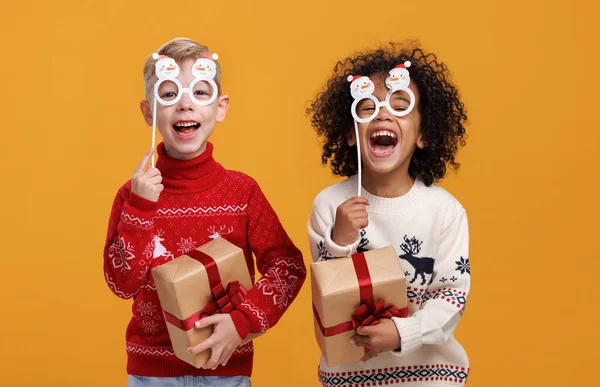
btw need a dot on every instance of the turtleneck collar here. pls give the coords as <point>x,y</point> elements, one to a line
<point>197,174</point>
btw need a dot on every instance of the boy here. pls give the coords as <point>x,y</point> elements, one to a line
<point>182,203</point>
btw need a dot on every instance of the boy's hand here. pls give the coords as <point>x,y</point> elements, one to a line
<point>224,340</point>
<point>147,184</point>
<point>350,217</point>
<point>382,337</point>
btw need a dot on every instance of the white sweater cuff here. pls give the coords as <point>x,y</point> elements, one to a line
<point>336,250</point>
<point>410,335</point>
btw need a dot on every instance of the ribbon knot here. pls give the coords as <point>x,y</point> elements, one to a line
<point>366,315</point>
<point>225,300</point>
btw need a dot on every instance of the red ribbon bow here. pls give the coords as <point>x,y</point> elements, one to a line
<point>224,300</point>
<point>365,315</point>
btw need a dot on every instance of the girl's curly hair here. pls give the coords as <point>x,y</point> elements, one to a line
<point>443,115</point>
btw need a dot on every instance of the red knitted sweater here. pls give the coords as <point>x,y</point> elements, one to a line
<point>201,201</point>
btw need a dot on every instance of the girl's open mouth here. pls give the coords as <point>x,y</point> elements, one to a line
<point>383,142</point>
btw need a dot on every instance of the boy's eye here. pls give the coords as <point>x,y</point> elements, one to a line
<point>201,94</point>
<point>169,95</point>
<point>202,90</point>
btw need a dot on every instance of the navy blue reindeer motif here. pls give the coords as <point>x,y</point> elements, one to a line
<point>323,253</point>
<point>364,241</point>
<point>422,265</point>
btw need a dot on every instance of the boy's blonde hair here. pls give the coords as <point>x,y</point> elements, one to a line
<point>178,49</point>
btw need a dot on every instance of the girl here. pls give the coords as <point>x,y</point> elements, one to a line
<point>394,112</point>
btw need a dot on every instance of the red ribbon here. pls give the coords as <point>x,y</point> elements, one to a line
<point>212,270</point>
<point>367,313</point>
<point>225,300</point>
<point>364,278</point>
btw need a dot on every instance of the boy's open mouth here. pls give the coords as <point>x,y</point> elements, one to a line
<point>186,128</point>
<point>383,142</point>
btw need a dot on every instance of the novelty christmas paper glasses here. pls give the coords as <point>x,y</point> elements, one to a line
<point>202,90</point>
<point>399,101</point>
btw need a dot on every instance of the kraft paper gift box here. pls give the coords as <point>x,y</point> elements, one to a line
<point>211,279</point>
<point>353,291</point>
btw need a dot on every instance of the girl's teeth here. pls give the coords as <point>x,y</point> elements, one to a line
<point>383,133</point>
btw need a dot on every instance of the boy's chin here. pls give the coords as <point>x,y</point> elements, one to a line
<point>185,151</point>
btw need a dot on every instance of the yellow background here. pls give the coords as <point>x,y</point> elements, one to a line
<point>72,134</point>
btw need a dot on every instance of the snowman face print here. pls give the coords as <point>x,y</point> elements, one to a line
<point>202,90</point>
<point>400,100</point>
<point>205,67</point>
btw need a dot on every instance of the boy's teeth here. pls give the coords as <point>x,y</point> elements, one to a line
<point>186,128</point>
<point>190,125</point>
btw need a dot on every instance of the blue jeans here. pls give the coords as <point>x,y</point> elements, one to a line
<point>189,381</point>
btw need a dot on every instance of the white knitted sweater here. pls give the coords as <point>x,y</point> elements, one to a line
<point>428,228</point>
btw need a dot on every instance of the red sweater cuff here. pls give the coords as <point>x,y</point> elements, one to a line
<point>142,204</point>
<point>241,322</point>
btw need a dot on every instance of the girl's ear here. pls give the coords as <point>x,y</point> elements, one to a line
<point>420,142</point>
<point>350,138</point>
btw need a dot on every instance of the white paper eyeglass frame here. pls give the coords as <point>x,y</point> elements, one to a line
<point>190,90</point>
<point>386,103</point>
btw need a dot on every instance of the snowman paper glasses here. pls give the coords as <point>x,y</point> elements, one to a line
<point>366,106</point>
<point>202,90</point>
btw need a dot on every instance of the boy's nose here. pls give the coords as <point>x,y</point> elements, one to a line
<point>185,103</point>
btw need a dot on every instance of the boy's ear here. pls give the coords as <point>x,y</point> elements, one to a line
<point>222,107</point>
<point>146,112</point>
<point>350,139</point>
